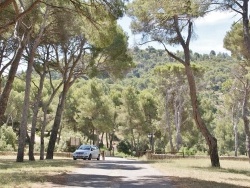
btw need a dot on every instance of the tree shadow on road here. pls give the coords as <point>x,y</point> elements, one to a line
<point>83,180</point>
<point>120,165</point>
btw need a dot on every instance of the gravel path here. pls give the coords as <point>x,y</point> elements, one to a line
<point>115,173</point>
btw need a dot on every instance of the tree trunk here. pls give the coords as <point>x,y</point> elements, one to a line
<point>101,141</point>
<point>57,122</point>
<point>4,97</point>
<point>93,136</point>
<point>44,123</point>
<point>137,151</point>
<point>25,113</point>
<point>178,108</point>
<point>97,138</point>
<point>236,138</point>
<point>211,141</point>
<point>235,128</point>
<point>34,117</point>
<point>111,140</point>
<point>246,33</point>
<point>245,118</point>
<point>59,133</point>
<point>107,141</point>
<point>133,139</point>
<point>169,124</point>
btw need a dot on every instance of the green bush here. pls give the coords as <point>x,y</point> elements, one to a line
<point>8,138</point>
<point>188,151</point>
<point>159,151</point>
<point>124,147</point>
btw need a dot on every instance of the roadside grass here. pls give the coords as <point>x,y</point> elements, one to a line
<point>182,173</point>
<point>197,173</point>
<point>30,173</point>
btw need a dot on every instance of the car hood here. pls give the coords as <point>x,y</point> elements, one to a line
<point>82,150</point>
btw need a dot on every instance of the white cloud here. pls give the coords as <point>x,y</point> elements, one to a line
<point>210,30</point>
<point>216,18</point>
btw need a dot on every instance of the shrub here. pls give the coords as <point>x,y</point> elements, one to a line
<point>124,147</point>
<point>188,151</point>
<point>7,138</point>
<point>159,151</point>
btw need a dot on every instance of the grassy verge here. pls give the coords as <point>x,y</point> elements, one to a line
<point>196,173</point>
<point>31,173</point>
<point>183,173</point>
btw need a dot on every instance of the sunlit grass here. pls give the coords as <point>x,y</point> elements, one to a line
<point>235,173</point>
<point>24,174</point>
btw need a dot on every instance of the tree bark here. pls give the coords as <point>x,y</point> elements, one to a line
<point>57,122</point>
<point>178,108</point>
<point>59,134</point>
<point>42,146</point>
<point>32,50</point>
<point>4,97</point>
<point>34,118</point>
<point>25,112</point>
<point>168,123</point>
<point>45,112</point>
<point>235,116</point>
<point>211,141</point>
<point>245,118</point>
<point>236,137</point>
<point>246,33</point>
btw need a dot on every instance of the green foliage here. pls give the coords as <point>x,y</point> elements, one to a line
<point>115,57</point>
<point>155,19</point>
<point>124,146</point>
<point>234,41</point>
<point>188,151</point>
<point>149,105</point>
<point>8,138</point>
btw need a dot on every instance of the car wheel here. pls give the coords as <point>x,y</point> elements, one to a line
<point>74,158</point>
<point>90,157</point>
<point>84,158</point>
<point>98,158</point>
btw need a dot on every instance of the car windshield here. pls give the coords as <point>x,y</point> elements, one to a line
<point>84,147</point>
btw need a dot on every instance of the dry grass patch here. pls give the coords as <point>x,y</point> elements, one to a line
<point>29,173</point>
<point>198,173</point>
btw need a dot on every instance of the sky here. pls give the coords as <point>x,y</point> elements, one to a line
<point>210,31</point>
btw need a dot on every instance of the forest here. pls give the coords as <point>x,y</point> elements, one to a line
<point>67,72</point>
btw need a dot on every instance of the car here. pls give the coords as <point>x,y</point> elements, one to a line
<point>87,152</point>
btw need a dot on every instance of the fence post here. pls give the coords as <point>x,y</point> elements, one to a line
<point>149,154</point>
<point>103,155</point>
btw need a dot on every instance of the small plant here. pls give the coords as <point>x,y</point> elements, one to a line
<point>7,138</point>
<point>124,147</point>
<point>188,151</point>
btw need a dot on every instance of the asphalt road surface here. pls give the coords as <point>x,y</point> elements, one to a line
<point>116,173</point>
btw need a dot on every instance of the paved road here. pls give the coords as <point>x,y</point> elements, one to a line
<point>116,173</point>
